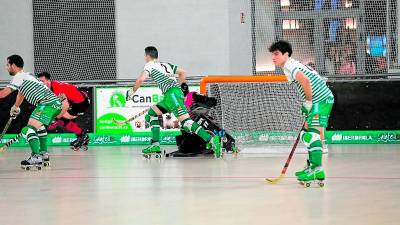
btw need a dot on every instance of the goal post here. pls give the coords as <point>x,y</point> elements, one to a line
<point>255,109</point>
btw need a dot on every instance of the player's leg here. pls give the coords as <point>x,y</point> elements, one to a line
<point>152,119</point>
<point>174,99</point>
<point>311,137</point>
<point>42,134</point>
<point>82,138</point>
<point>36,134</point>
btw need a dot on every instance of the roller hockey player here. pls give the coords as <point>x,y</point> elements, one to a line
<point>317,106</point>
<point>48,106</point>
<point>77,102</point>
<point>164,75</point>
<point>190,144</point>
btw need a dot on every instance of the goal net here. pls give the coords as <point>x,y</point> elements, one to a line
<point>256,109</point>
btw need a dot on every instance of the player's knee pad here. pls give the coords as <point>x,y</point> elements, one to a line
<point>152,118</point>
<point>29,133</point>
<point>312,139</point>
<point>187,125</point>
<point>41,131</point>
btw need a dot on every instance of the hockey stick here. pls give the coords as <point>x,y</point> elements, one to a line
<point>10,142</point>
<point>132,118</point>
<point>6,127</point>
<point>278,179</point>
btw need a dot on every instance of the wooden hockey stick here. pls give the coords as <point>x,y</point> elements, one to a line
<point>132,118</point>
<point>285,167</point>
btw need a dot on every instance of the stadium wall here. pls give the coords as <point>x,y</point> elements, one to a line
<point>201,36</point>
<point>16,33</point>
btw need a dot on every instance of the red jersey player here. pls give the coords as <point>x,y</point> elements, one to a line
<point>77,103</point>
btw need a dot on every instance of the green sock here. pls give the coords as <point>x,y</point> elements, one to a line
<point>42,133</point>
<point>35,145</point>
<point>29,132</point>
<point>191,126</point>
<point>314,144</point>
<point>155,130</point>
<point>316,158</point>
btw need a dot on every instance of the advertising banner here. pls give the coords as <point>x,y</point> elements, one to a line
<point>111,104</point>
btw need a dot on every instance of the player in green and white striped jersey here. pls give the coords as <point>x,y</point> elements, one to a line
<point>164,75</point>
<point>317,106</point>
<point>48,106</point>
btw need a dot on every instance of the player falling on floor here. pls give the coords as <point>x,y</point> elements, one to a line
<point>164,75</point>
<point>48,106</point>
<point>317,106</point>
<point>76,102</point>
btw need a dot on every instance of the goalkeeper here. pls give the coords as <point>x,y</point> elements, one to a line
<point>317,106</point>
<point>198,105</point>
<point>164,75</point>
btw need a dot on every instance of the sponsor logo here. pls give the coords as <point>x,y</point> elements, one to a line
<point>117,99</point>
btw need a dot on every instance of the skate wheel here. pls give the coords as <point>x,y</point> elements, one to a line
<point>84,148</point>
<point>46,164</point>
<point>146,156</point>
<point>307,184</point>
<point>27,168</point>
<point>321,184</point>
<point>39,168</point>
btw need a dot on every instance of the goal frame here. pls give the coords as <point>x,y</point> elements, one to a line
<point>239,79</point>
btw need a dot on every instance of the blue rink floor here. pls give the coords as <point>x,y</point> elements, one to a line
<point>116,186</point>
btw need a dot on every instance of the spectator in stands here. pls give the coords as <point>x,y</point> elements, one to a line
<point>348,67</point>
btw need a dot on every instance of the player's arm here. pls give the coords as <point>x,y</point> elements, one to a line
<point>181,75</point>
<point>65,107</point>
<point>5,92</point>
<point>142,77</point>
<point>18,101</point>
<point>306,85</point>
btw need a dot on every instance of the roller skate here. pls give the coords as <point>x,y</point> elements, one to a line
<point>74,142</point>
<point>303,171</point>
<point>34,161</point>
<point>316,175</point>
<point>153,150</point>
<point>46,158</point>
<point>82,143</point>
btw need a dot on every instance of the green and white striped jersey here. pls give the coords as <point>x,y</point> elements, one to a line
<point>32,89</point>
<point>320,90</point>
<point>163,74</point>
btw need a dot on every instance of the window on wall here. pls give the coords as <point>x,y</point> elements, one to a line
<point>304,5</point>
<point>290,25</point>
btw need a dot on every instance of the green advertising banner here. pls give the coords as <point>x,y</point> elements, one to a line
<point>137,138</point>
<point>168,138</point>
<point>363,137</point>
<point>111,103</point>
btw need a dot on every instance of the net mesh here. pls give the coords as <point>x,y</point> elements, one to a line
<point>75,39</point>
<point>336,37</point>
<point>255,113</point>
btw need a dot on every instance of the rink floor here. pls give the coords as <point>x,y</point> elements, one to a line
<point>115,185</point>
